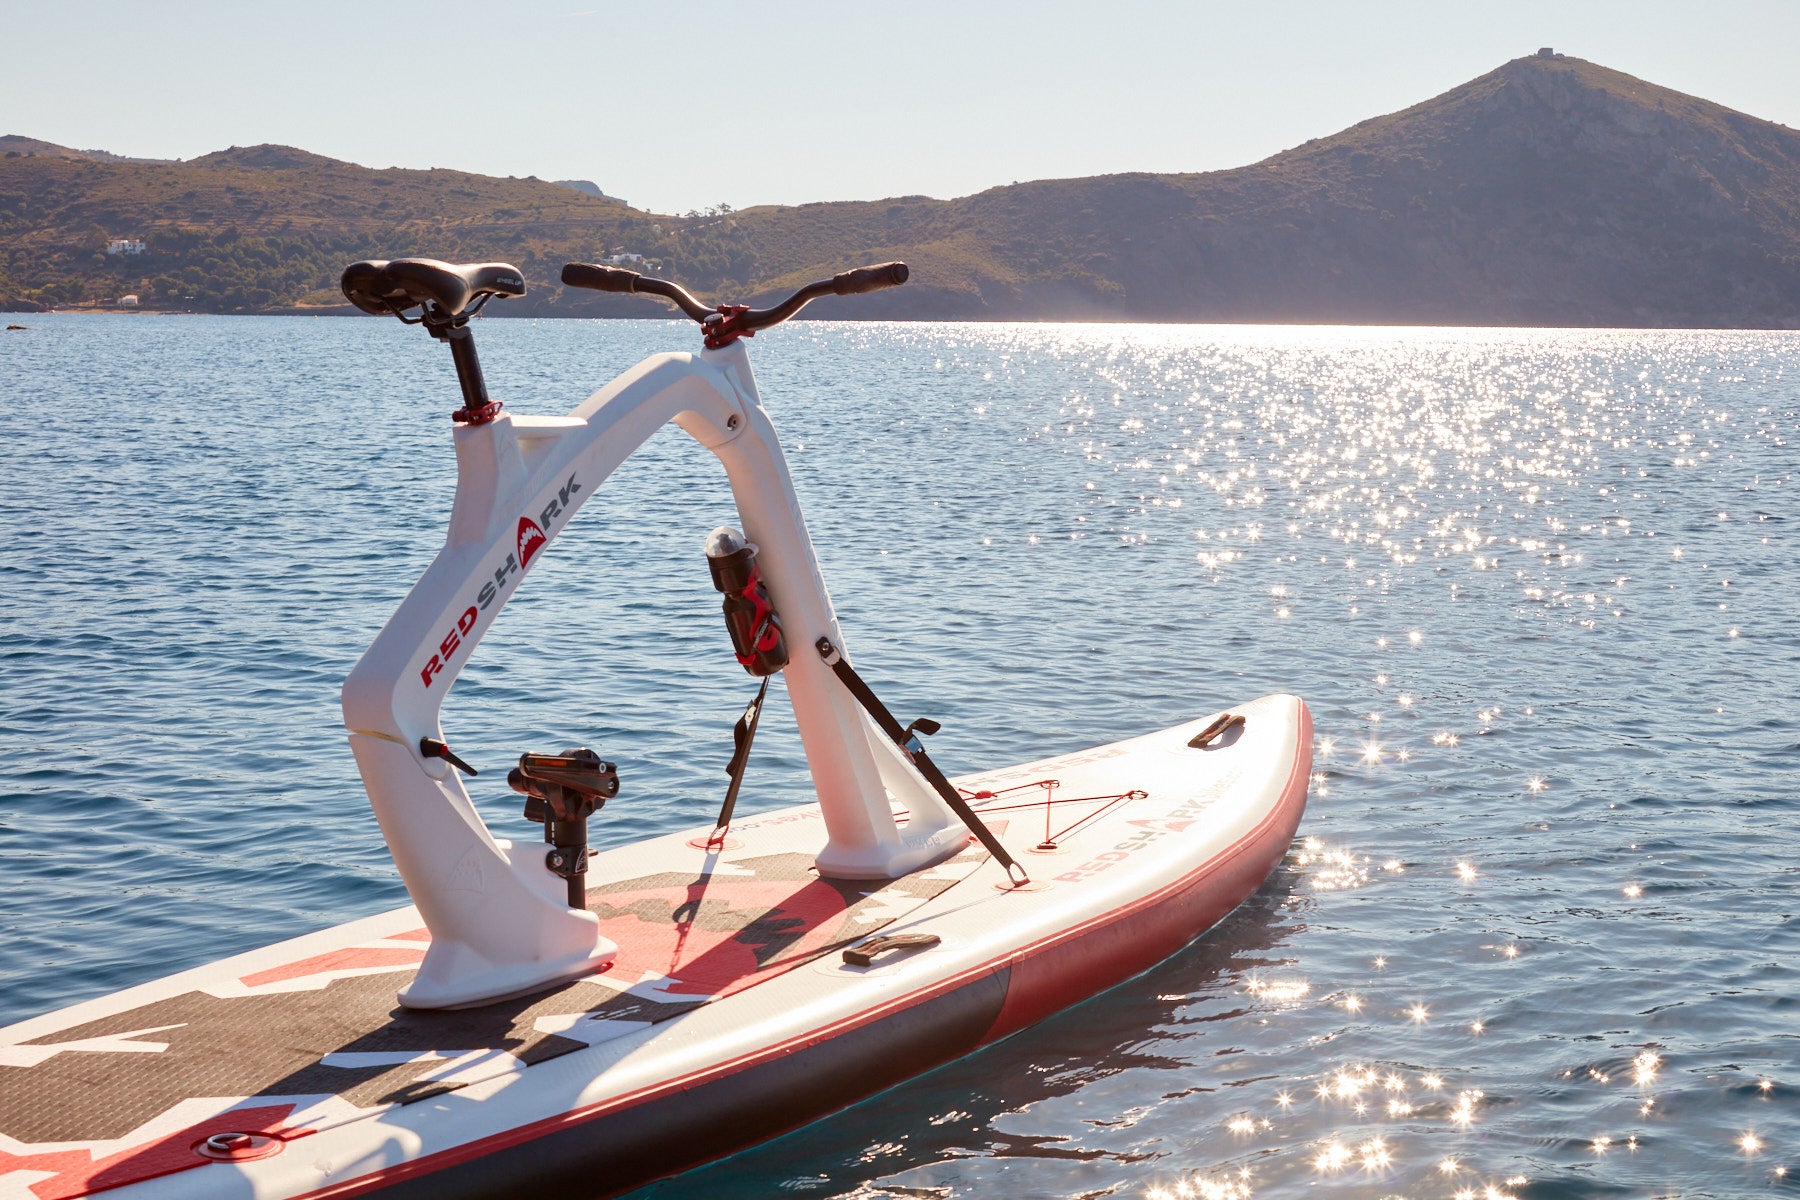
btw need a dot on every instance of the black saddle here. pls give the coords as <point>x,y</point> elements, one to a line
<point>392,287</point>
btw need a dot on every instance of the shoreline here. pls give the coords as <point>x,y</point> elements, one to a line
<point>347,310</point>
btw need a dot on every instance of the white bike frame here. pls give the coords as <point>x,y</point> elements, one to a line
<point>499,920</point>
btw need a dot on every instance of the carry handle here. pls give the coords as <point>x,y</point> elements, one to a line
<point>866,954</point>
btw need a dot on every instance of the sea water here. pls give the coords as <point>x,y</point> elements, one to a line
<point>1537,936</point>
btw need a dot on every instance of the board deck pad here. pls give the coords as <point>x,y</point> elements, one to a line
<point>312,1044</point>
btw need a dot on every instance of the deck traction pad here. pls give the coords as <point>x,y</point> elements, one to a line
<point>289,1043</point>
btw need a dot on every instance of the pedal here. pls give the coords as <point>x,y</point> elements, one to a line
<point>561,792</point>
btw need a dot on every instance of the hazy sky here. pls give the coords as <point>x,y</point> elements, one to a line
<point>679,106</point>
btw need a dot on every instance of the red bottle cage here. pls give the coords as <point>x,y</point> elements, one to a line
<point>765,626</point>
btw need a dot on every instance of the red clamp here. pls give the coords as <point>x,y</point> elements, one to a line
<point>477,416</point>
<point>727,328</point>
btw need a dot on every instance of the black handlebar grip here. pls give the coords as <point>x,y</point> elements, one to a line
<point>600,279</point>
<point>869,279</point>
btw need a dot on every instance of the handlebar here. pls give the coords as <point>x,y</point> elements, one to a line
<point>613,279</point>
<point>729,322</point>
<point>869,279</point>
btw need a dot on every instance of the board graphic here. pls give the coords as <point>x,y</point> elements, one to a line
<point>290,1050</point>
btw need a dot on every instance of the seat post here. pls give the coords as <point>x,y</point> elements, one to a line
<point>468,366</point>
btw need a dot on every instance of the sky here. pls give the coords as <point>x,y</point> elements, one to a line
<point>677,107</point>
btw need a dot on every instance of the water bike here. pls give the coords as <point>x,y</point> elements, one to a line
<point>544,1020</point>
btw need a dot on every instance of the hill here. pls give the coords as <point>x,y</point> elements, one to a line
<point>24,145</point>
<point>256,227</point>
<point>1550,191</point>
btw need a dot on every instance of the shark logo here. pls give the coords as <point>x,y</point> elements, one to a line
<point>531,540</point>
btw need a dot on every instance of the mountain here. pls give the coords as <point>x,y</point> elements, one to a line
<point>264,158</point>
<point>585,186</point>
<point>1550,191</point>
<point>258,227</point>
<point>13,143</point>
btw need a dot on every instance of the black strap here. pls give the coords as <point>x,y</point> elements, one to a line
<point>910,747</point>
<point>741,736</point>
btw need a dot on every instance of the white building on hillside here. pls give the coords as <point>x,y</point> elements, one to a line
<point>125,246</point>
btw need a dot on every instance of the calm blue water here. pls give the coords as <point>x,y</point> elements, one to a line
<point>1539,938</point>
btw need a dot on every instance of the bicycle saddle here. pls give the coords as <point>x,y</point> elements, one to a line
<point>391,287</point>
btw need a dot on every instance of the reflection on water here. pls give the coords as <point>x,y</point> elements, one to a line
<point>1536,939</point>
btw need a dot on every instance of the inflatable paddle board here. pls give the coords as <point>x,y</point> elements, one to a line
<point>546,1022</point>
<point>729,1015</point>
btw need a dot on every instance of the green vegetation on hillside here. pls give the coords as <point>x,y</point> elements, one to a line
<point>1549,191</point>
<point>250,229</point>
